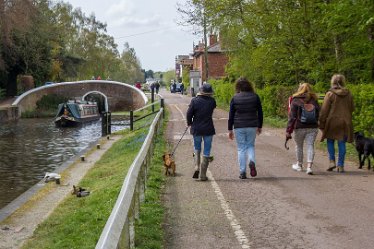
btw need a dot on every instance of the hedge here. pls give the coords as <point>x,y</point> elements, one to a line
<point>274,101</point>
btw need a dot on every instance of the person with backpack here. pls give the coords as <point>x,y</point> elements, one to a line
<point>303,119</point>
<point>336,120</point>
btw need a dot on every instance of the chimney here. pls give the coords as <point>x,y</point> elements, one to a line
<point>212,40</point>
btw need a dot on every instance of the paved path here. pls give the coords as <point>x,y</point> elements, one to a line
<point>6,102</point>
<point>280,208</point>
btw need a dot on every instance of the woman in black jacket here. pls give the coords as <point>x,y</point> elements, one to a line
<point>199,117</point>
<point>246,118</point>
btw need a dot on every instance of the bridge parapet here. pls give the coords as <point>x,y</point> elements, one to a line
<point>120,96</point>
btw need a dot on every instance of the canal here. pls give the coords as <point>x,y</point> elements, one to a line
<point>31,147</point>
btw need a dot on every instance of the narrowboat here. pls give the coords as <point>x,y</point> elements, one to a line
<point>73,113</point>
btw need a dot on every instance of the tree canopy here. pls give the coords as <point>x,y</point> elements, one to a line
<point>284,42</point>
<point>54,42</point>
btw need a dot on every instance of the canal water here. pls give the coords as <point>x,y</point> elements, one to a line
<point>31,147</point>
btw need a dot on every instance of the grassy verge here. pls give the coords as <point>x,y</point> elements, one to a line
<point>148,228</point>
<point>78,222</point>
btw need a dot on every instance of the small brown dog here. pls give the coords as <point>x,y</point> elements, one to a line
<point>169,163</point>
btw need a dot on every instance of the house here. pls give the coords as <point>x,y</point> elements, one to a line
<point>217,59</point>
<point>182,62</point>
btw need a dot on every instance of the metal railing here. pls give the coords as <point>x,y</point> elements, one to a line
<point>152,105</point>
<point>119,231</point>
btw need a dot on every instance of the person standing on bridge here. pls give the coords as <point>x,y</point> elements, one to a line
<point>335,120</point>
<point>200,119</point>
<point>246,118</point>
<point>304,131</point>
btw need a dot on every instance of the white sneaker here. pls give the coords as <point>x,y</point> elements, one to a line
<point>296,167</point>
<point>309,171</point>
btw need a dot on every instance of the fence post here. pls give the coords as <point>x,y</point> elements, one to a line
<point>162,103</point>
<point>103,124</point>
<point>131,120</point>
<point>153,98</point>
<point>109,123</point>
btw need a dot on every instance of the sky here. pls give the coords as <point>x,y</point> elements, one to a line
<point>149,26</point>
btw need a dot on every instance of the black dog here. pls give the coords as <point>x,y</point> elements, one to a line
<point>364,146</point>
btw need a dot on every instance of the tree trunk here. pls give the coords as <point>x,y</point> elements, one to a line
<point>338,51</point>
<point>11,89</point>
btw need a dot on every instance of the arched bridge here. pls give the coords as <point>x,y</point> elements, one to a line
<point>118,96</point>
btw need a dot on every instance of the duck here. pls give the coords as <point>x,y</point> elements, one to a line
<point>49,177</point>
<point>79,191</point>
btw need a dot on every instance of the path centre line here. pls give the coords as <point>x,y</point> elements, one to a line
<point>239,234</point>
<point>180,111</point>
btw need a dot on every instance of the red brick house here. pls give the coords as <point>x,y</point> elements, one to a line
<point>217,59</point>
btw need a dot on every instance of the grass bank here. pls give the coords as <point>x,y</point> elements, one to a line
<point>78,222</point>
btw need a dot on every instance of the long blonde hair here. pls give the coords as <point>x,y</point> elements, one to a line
<point>338,80</point>
<point>305,89</point>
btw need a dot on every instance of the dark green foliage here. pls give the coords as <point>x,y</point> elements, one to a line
<point>363,116</point>
<point>223,91</point>
<point>274,100</point>
<point>286,42</point>
<point>50,102</point>
<point>2,93</point>
<point>45,107</point>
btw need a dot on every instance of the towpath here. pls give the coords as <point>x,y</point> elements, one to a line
<point>280,208</point>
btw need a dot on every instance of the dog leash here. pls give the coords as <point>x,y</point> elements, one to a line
<point>172,154</point>
<point>285,144</point>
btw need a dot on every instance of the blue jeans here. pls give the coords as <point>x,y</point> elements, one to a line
<point>331,150</point>
<point>207,144</point>
<point>245,140</point>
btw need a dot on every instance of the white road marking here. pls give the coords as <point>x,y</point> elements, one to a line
<point>180,111</point>
<point>239,234</point>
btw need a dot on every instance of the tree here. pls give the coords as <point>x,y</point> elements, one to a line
<point>285,42</point>
<point>194,14</point>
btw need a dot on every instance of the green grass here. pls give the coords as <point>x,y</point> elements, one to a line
<point>275,122</point>
<point>148,228</point>
<point>78,222</point>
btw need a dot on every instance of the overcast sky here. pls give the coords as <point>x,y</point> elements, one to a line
<point>149,26</point>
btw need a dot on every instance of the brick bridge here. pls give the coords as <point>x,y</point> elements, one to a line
<point>117,95</point>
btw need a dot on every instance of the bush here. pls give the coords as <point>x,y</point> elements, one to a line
<point>223,92</point>
<point>363,116</point>
<point>274,99</point>
<point>2,93</point>
<point>45,107</point>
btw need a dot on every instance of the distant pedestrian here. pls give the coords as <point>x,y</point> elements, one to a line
<point>304,131</point>
<point>99,77</point>
<point>335,120</point>
<point>152,87</point>
<point>174,87</point>
<point>138,85</point>
<point>182,88</point>
<point>93,78</point>
<point>157,86</point>
<point>245,119</point>
<point>200,119</point>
